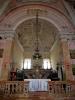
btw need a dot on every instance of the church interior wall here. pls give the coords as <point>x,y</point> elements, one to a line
<point>56,54</point>
<point>17,55</point>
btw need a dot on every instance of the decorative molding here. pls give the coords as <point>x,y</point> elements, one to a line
<point>67,36</point>
<point>7,34</point>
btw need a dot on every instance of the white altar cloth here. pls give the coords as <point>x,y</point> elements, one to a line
<point>38,84</point>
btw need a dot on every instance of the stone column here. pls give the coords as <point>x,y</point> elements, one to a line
<point>7,38</point>
<point>66,58</point>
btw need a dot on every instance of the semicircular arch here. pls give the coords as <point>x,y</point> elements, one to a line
<point>20,14</point>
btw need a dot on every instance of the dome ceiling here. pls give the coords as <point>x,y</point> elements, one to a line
<point>27,35</point>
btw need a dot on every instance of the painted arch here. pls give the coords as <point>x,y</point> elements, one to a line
<point>20,14</point>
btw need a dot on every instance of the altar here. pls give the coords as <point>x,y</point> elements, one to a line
<point>38,84</point>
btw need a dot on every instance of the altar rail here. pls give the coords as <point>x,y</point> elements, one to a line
<point>13,87</point>
<point>62,87</point>
<point>22,87</point>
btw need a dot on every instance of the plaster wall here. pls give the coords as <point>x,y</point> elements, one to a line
<point>56,54</point>
<point>17,55</point>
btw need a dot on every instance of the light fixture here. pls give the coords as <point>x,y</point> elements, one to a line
<point>36,54</point>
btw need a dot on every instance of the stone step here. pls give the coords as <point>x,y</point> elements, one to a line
<point>36,96</point>
<point>40,96</point>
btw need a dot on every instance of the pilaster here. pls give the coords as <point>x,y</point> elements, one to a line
<point>65,38</point>
<point>6,41</point>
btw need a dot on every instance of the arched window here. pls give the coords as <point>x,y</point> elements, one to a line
<point>27,63</point>
<point>46,64</point>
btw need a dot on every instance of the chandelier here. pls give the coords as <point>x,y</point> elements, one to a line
<point>36,54</point>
